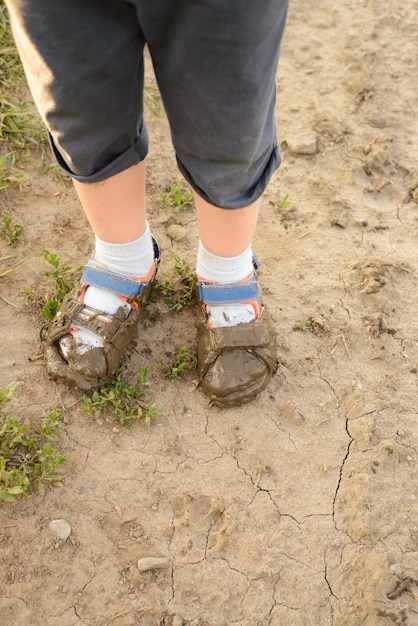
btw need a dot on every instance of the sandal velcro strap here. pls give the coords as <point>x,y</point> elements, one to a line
<point>234,293</point>
<point>96,276</point>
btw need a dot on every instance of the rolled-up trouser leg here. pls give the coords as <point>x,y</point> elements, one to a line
<point>216,71</point>
<point>84,64</point>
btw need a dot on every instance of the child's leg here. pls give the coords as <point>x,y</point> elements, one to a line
<point>84,63</point>
<point>225,256</point>
<point>221,115</point>
<point>226,233</point>
<point>88,339</point>
<point>236,337</point>
<point>116,212</point>
<point>115,207</point>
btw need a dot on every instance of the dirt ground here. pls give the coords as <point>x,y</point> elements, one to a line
<point>299,509</point>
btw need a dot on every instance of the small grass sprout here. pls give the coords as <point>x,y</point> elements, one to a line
<point>126,403</point>
<point>11,71</point>
<point>152,99</point>
<point>28,459</point>
<point>184,361</point>
<point>177,198</point>
<point>16,125</point>
<point>10,176</point>
<point>7,393</point>
<point>301,325</point>
<point>12,231</point>
<point>20,128</point>
<point>65,278</point>
<point>176,298</point>
<point>8,270</point>
<point>285,202</point>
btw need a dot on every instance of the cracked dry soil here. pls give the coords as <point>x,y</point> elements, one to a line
<point>299,509</point>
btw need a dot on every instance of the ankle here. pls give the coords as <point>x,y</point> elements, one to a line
<point>133,258</point>
<point>224,270</point>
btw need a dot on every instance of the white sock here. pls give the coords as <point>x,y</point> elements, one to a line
<point>226,270</point>
<point>127,259</point>
<point>134,259</point>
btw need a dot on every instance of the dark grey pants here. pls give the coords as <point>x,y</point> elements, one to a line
<point>215,63</point>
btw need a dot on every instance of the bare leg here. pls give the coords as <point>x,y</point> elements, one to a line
<point>236,338</point>
<point>225,256</point>
<point>226,232</point>
<point>115,207</point>
<point>116,211</point>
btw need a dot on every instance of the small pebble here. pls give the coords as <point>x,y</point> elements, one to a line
<point>177,621</point>
<point>152,562</point>
<point>61,528</point>
<point>362,222</point>
<point>360,177</point>
<point>396,570</point>
<point>340,220</point>
<point>304,143</point>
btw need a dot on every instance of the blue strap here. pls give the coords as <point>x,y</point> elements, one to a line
<point>103,278</point>
<point>99,276</point>
<point>235,293</point>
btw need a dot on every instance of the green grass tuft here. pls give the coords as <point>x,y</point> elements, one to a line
<point>184,361</point>
<point>126,403</point>
<point>65,278</point>
<point>28,460</point>
<point>177,198</point>
<point>177,297</point>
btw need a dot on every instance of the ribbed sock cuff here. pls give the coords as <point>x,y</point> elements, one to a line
<point>124,250</point>
<point>133,258</point>
<point>224,270</point>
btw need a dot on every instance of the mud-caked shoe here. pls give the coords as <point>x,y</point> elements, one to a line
<point>91,365</point>
<point>235,363</point>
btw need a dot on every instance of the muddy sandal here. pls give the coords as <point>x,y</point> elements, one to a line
<point>235,363</point>
<point>96,366</point>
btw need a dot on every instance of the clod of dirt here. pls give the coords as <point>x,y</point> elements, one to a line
<point>340,219</point>
<point>176,232</point>
<point>61,528</point>
<point>303,143</point>
<point>373,274</point>
<point>152,562</point>
<point>374,323</point>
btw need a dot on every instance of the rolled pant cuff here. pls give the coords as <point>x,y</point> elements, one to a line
<point>132,156</point>
<point>224,197</point>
